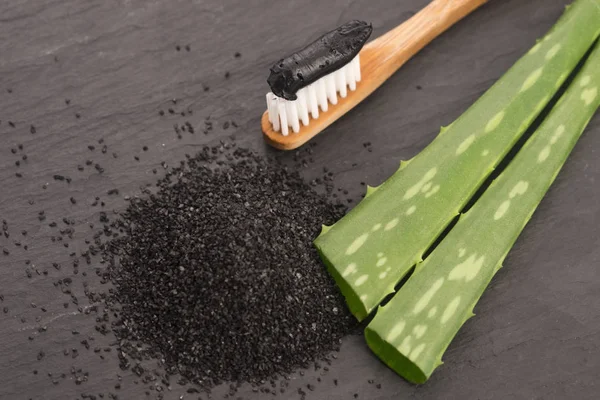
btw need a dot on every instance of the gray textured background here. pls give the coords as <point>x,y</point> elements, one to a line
<point>537,330</point>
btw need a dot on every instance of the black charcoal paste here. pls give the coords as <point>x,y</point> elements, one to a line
<point>327,54</point>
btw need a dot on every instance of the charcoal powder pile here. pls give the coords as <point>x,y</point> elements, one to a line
<point>216,274</point>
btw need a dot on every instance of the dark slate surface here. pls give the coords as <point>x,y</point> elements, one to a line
<point>537,332</point>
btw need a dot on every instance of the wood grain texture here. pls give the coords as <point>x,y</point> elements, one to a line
<point>537,330</point>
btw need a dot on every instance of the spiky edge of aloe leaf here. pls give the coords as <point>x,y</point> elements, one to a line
<point>412,331</point>
<point>377,243</point>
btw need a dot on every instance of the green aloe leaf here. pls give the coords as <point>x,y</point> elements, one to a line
<point>413,330</point>
<point>376,244</point>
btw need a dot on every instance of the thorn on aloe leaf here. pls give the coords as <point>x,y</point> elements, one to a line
<point>325,229</point>
<point>403,164</point>
<point>371,190</point>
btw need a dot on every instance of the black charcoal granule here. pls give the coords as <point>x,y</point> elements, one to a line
<point>216,273</point>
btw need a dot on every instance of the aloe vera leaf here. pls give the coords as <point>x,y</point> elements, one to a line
<point>374,246</point>
<point>413,330</point>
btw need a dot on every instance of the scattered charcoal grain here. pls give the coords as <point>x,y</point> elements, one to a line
<point>221,257</point>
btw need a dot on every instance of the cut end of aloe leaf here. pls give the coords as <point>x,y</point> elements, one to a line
<point>394,358</point>
<point>354,303</point>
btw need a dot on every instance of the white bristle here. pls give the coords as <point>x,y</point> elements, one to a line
<point>350,77</point>
<point>302,107</point>
<point>270,107</point>
<point>330,84</point>
<point>282,117</point>
<point>341,82</point>
<point>292,109</point>
<point>322,94</point>
<point>284,114</point>
<point>356,62</point>
<point>275,108</point>
<point>313,101</point>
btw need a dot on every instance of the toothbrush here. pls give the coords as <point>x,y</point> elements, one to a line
<point>315,86</point>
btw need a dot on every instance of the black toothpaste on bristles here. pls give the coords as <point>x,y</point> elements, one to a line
<point>314,75</point>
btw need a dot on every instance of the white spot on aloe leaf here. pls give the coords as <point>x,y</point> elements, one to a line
<point>468,269</point>
<point>544,154</point>
<point>416,188</point>
<point>433,191</point>
<point>502,210</point>
<point>557,134</point>
<point>411,210</point>
<point>465,144</point>
<point>357,244</point>
<point>450,309</point>
<point>432,312</point>
<point>430,174</point>
<point>485,152</point>
<point>350,269</point>
<point>405,347</point>
<point>362,279</point>
<point>553,51</point>
<point>585,81</point>
<point>380,254</point>
<point>519,189</point>
<point>417,351</point>
<point>396,331</point>
<point>427,296</point>
<point>532,79</point>
<point>589,95</point>
<point>381,262</point>
<point>461,252</point>
<point>376,227</point>
<point>392,224</point>
<point>419,331</point>
<point>494,122</point>
<point>426,187</point>
<point>364,297</point>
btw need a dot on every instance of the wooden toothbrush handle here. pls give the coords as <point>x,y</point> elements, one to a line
<point>384,55</point>
<point>379,59</point>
